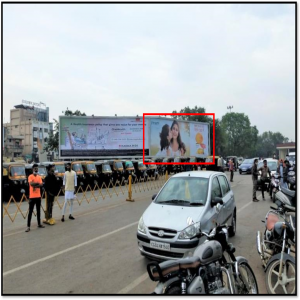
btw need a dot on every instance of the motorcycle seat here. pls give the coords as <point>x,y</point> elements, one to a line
<point>288,192</point>
<point>271,220</point>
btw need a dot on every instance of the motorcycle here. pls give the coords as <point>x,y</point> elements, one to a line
<point>274,185</point>
<point>275,251</point>
<point>208,271</point>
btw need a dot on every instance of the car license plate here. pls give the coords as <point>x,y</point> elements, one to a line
<point>161,246</point>
<point>244,170</point>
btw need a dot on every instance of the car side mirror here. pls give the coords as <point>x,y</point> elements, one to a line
<point>153,197</point>
<point>218,208</point>
<point>216,200</point>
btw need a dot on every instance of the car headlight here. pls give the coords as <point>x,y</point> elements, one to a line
<point>141,226</point>
<point>189,232</point>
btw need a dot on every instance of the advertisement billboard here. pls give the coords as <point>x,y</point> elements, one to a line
<point>173,138</point>
<point>100,137</point>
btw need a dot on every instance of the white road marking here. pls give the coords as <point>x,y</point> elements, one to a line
<point>135,283</point>
<point>246,205</point>
<point>68,250</point>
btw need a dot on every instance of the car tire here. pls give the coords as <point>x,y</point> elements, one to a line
<point>232,228</point>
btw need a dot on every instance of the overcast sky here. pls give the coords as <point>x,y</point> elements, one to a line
<point>129,59</point>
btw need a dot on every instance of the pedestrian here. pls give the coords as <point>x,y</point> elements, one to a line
<point>265,170</point>
<point>282,170</point>
<point>220,163</point>
<point>51,188</point>
<point>35,184</point>
<point>69,183</point>
<point>231,167</point>
<point>254,179</point>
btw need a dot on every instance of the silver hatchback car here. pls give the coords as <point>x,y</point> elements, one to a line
<point>187,201</point>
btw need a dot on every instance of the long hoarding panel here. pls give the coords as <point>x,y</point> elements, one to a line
<point>101,137</point>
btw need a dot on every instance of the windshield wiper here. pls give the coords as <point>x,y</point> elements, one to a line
<point>197,203</point>
<point>175,201</point>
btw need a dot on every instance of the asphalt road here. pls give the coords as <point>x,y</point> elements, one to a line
<point>97,252</point>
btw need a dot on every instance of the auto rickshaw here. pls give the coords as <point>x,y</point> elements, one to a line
<point>104,172</point>
<point>213,167</point>
<point>177,168</point>
<point>128,169</point>
<point>117,170</point>
<point>140,169</point>
<point>152,170</point>
<point>90,173</point>
<point>14,180</point>
<point>160,167</point>
<point>167,167</point>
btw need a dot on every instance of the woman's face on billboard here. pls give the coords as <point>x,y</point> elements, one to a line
<point>170,135</point>
<point>175,131</point>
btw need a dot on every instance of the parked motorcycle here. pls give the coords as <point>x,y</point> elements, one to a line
<point>274,185</point>
<point>275,249</point>
<point>208,271</point>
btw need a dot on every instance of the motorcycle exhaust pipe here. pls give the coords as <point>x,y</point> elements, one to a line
<point>258,243</point>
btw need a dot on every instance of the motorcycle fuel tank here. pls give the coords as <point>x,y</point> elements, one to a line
<point>209,251</point>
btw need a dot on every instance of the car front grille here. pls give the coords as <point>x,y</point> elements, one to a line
<point>163,253</point>
<point>168,233</point>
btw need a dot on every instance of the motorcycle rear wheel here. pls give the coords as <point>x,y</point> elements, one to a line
<point>175,290</point>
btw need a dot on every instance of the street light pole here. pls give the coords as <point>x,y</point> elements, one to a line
<point>230,140</point>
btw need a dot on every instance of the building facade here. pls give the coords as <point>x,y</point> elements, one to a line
<point>27,133</point>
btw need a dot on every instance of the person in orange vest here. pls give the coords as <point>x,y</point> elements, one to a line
<point>35,184</point>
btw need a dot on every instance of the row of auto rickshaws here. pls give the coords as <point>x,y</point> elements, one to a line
<point>15,174</point>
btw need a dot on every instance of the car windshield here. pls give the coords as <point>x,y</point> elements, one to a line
<point>165,160</point>
<point>106,168</point>
<point>118,165</point>
<point>17,171</point>
<point>77,167</point>
<point>91,167</point>
<point>248,161</point>
<point>177,159</point>
<point>271,164</point>
<point>42,171</point>
<point>60,168</point>
<point>184,191</point>
<point>192,159</point>
<point>141,165</point>
<point>128,164</point>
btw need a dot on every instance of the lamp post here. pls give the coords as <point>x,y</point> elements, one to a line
<point>230,139</point>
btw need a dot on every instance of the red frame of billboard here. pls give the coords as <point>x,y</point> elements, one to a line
<point>178,163</point>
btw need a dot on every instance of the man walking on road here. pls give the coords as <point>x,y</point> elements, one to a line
<point>220,164</point>
<point>70,182</point>
<point>254,179</point>
<point>231,166</point>
<point>35,183</point>
<point>264,177</point>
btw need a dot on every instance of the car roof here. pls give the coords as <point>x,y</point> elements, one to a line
<point>200,174</point>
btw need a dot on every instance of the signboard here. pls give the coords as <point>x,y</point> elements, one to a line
<point>172,138</point>
<point>102,137</point>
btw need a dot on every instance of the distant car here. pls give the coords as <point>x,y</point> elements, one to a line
<point>272,164</point>
<point>246,166</point>
<point>184,204</point>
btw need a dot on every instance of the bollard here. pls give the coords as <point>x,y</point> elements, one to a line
<point>166,175</point>
<point>129,190</point>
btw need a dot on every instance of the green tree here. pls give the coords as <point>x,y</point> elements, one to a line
<point>240,136</point>
<point>267,143</point>
<point>53,140</point>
